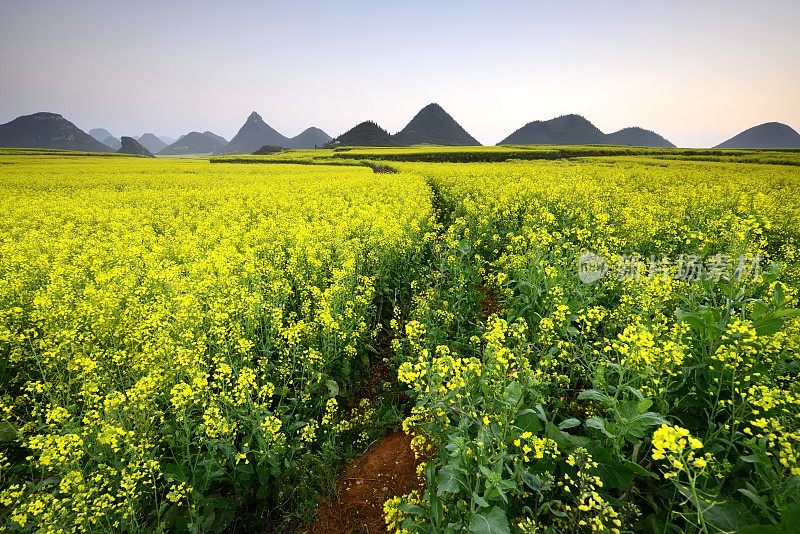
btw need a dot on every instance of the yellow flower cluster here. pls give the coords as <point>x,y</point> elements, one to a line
<point>677,447</point>
<point>581,502</point>
<point>535,447</point>
<point>652,357</point>
<point>393,513</point>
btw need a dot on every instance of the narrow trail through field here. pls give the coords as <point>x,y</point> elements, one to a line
<point>386,470</point>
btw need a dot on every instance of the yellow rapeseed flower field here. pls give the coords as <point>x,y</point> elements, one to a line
<point>607,342</point>
<point>170,331</point>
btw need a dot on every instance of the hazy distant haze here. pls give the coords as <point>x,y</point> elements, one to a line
<point>695,72</point>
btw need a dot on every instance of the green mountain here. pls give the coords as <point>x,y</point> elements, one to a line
<point>47,130</point>
<point>767,135</point>
<point>309,138</point>
<point>196,143</point>
<point>433,125</point>
<point>636,136</point>
<point>366,133</point>
<point>129,145</point>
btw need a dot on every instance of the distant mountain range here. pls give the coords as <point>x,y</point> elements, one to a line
<point>149,141</point>
<point>101,134</point>
<point>255,133</point>
<point>196,143</point>
<point>47,130</point>
<point>432,125</point>
<point>576,130</point>
<point>767,135</point>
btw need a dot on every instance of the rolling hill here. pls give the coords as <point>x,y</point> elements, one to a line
<point>433,125</point>
<point>309,138</point>
<point>564,130</point>
<point>367,133</point>
<point>636,136</point>
<point>577,130</point>
<point>47,130</point>
<point>767,135</point>
<point>196,143</point>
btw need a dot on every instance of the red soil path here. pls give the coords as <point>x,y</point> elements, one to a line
<point>386,470</point>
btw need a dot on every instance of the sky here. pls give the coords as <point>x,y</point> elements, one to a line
<point>697,72</point>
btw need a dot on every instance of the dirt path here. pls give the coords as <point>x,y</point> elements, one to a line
<point>386,470</point>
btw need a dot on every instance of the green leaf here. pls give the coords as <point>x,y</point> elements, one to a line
<point>788,312</point>
<point>480,501</point>
<point>729,516</point>
<point>693,319</point>
<point>528,421</point>
<point>593,394</point>
<point>599,424</point>
<point>7,432</point>
<point>513,393</point>
<point>493,521</point>
<point>790,515</point>
<point>552,432</point>
<point>757,500</point>
<point>569,423</point>
<point>759,309</point>
<point>779,294</point>
<point>436,510</point>
<point>485,471</point>
<point>411,509</point>
<point>175,472</point>
<point>534,481</point>
<point>333,388</point>
<point>449,481</point>
<point>768,327</point>
<point>763,529</point>
<point>637,427</point>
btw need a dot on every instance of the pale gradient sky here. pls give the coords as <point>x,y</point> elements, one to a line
<point>697,72</point>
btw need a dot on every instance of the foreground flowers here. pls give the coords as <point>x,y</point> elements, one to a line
<point>634,403</point>
<point>174,335</point>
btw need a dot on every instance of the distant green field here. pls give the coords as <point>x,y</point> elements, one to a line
<point>53,152</point>
<point>439,154</point>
